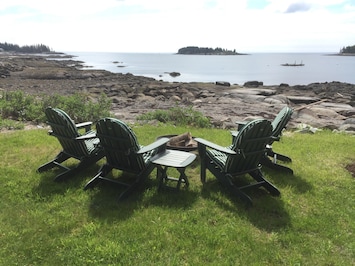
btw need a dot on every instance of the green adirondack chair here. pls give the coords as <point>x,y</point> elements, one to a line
<point>83,147</point>
<point>240,158</point>
<point>278,125</point>
<point>124,153</point>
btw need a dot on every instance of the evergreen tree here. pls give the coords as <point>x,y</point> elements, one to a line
<point>38,48</point>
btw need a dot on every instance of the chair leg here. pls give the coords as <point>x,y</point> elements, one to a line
<point>141,178</point>
<point>203,157</point>
<point>228,182</point>
<point>244,197</point>
<point>104,170</point>
<point>84,163</point>
<point>63,176</point>
<point>278,156</point>
<point>129,190</point>
<point>258,176</point>
<point>266,161</point>
<point>283,158</point>
<point>61,157</point>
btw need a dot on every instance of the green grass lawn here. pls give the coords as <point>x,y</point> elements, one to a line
<point>47,223</point>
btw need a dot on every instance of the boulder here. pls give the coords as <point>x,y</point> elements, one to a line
<point>253,84</point>
<point>339,107</point>
<point>350,128</point>
<point>223,83</point>
<point>175,98</point>
<point>174,74</point>
<point>326,113</point>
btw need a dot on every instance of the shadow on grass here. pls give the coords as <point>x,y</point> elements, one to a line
<point>281,179</point>
<point>268,213</point>
<point>177,199</point>
<point>47,187</point>
<point>104,203</point>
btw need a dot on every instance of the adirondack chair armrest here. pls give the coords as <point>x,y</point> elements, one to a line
<point>87,136</point>
<point>273,138</point>
<point>241,124</point>
<point>214,146</point>
<point>86,125</point>
<point>234,133</point>
<point>158,143</point>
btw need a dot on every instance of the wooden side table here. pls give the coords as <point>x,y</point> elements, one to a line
<point>172,158</point>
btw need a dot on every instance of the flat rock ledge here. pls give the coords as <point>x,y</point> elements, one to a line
<point>318,105</point>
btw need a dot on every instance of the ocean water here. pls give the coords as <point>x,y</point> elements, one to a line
<point>237,69</point>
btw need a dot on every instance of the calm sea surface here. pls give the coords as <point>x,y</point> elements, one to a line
<point>234,69</point>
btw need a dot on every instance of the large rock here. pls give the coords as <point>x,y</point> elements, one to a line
<point>223,83</point>
<point>326,113</point>
<point>253,84</point>
<point>303,99</point>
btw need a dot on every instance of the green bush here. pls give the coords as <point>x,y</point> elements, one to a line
<point>11,124</point>
<point>17,105</point>
<point>179,116</point>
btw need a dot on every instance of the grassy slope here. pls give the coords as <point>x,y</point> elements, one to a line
<point>48,223</point>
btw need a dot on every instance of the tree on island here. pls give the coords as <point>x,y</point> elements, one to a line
<point>348,50</point>
<point>206,51</point>
<point>38,48</point>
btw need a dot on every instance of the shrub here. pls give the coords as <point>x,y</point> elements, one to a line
<point>81,107</point>
<point>179,116</point>
<point>11,124</point>
<point>17,105</point>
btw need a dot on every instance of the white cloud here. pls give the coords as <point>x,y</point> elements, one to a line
<point>165,26</point>
<point>302,5</point>
<point>61,8</point>
<point>298,7</point>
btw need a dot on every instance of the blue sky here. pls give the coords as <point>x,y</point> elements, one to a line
<point>163,26</point>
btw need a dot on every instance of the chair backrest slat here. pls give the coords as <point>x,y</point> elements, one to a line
<point>64,129</point>
<point>280,121</point>
<point>120,145</point>
<point>250,145</point>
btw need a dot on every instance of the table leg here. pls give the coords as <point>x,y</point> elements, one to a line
<point>163,178</point>
<point>183,178</point>
<point>161,175</point>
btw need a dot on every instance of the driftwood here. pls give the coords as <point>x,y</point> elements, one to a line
<point>308,105</point>
<point>183,140</point>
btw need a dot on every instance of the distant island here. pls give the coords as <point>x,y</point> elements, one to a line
<point>348,50</point>
<point>194,50</point>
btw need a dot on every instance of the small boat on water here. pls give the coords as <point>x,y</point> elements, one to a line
<point>294,64</point>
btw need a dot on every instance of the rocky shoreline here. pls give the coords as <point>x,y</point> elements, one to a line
<point>318,105</point>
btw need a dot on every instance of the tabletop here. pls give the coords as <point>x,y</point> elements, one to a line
<point>173,158</point>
